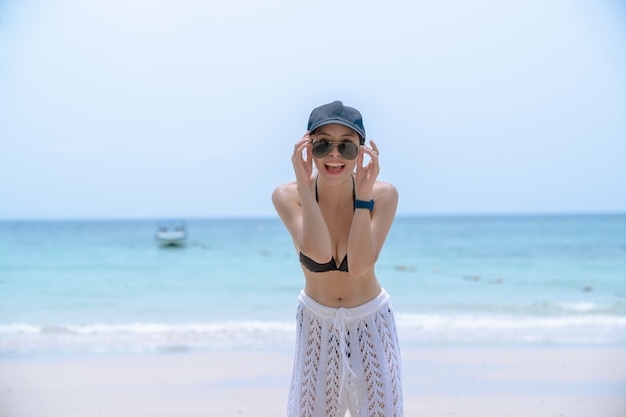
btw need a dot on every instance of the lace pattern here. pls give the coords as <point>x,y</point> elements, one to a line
<point>346,359</point>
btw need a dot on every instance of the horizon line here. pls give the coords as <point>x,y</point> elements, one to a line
<point>275,217</point>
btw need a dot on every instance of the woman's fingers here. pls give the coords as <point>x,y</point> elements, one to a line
<point>372,153</point>
<point>300,146</point>
<point>374,147</point>
<point>301,158</point>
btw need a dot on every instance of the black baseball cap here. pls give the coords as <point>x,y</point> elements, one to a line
<point>337,113</point>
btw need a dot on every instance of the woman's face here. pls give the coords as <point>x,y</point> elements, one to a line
<point>344,145</point>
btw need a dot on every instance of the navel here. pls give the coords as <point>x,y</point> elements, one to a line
<point>339,298</point>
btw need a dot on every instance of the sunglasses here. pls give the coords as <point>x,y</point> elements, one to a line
<point>348,150</point>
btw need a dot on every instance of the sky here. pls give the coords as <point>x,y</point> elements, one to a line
<point>185,109</point>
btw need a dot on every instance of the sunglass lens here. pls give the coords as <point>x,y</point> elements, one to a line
<point>321,148</point>
<point>348,150</point>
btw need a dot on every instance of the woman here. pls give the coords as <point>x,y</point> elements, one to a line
<point>347,355</point>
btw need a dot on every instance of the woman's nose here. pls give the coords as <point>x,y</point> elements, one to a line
<point>334,150</point>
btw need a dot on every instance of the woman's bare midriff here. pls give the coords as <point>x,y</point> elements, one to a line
<point>340,289</point>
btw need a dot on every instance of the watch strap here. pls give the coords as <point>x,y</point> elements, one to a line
<point>360,204</point>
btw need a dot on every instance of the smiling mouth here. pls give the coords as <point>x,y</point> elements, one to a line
<point>334,166</point>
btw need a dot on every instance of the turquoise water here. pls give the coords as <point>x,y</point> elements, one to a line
<point>106,286</point>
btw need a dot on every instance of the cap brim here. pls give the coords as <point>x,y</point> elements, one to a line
<point>339,122</point>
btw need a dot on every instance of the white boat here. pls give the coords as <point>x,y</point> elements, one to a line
<point>171,235</point>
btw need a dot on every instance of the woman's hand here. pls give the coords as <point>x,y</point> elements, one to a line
<point>366,175</point>
<point>302,160</point>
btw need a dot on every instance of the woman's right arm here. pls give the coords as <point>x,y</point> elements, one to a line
<point>296,205</point>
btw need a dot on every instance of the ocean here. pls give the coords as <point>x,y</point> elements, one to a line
<point>107,287</point>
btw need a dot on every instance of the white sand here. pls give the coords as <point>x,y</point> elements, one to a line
<point>472,382</point>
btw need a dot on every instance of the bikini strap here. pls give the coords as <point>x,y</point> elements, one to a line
<point>316,199</point>
<point>353,191</point>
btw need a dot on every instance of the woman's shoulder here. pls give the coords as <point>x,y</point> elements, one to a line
<point>286,194</point>
<point>385,190</point>
<point>286,189</point>
<point>289,190</point>
<point>386,197</point>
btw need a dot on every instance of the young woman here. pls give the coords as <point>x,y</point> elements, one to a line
<point>347,355</point>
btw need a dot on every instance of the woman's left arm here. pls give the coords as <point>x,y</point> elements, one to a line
<point>370,229</point>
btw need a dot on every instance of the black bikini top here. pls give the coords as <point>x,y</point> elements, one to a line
<point>331,265</point>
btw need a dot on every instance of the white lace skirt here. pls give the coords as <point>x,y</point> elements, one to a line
<point>346,359</point>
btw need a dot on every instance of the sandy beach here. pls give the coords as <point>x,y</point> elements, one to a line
<point>447,381</point>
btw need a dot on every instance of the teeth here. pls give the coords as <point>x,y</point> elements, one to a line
<point>334,164</point>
